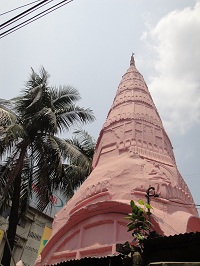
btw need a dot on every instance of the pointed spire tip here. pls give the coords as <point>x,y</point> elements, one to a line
<point>132,62</point>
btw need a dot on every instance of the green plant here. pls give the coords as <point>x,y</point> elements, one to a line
<point>139,222</point>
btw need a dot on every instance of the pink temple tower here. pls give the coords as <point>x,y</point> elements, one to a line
<point>133,153</point>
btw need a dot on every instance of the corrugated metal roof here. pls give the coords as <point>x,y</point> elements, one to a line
<point>175,238</point>
<point>177,248</point>
<point>162,242</point>
<point>94,261</point>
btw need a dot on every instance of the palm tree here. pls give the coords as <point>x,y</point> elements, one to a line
<point>30,149</point>
<point>78,168</point>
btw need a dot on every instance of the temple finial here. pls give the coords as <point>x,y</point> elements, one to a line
<point>132,62</point>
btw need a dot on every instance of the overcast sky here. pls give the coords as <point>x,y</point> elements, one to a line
<point>88,44</point>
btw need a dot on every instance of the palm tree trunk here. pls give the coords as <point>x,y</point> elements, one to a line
<point>13,221</point>
<point>13,217</point>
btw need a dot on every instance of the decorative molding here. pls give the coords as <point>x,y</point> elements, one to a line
<point>131,116</point>
<point>92,194</point>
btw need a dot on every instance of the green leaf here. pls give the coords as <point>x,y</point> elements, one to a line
<point>131,227</point>
<point>148,206</point>
<point>141,212</point>
<point>141,218</point>
<point>133,206</point>
<point>140,237</point>
<point>128,218</point>
<point>134,216</point>
<point>132,203</point>
<point>141,202</point>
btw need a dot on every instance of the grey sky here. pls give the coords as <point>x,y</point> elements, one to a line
<point>88,44</point>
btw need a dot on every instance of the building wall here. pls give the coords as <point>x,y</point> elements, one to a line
<point>29,233</point>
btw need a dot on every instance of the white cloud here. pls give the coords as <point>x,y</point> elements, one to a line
<point>176,85</point>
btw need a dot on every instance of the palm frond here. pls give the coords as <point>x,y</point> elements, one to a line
<point>37,79</point>
<point>7,177</point>
<point>63,96</point>
<point>36,94</point>
<point>75,174</point>
<point>84,141</point>
<point>5,190</point>
<point>10,138</point>
<point>44,121</point>
<point>79,163</point>
<point>73,116</point>
<point>47,171</point>
<point>67,149</point>
<point>7,116</point>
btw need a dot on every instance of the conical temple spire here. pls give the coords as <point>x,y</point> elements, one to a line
<point>133,154</point>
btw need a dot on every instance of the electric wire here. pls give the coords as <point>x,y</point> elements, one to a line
<point>185,204</point>
<point>34,18</point>
<point>18,8</point>
<point>158,220</point>
<point>181,205</point>
<point>95,211</point>
<point>24,12</point>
